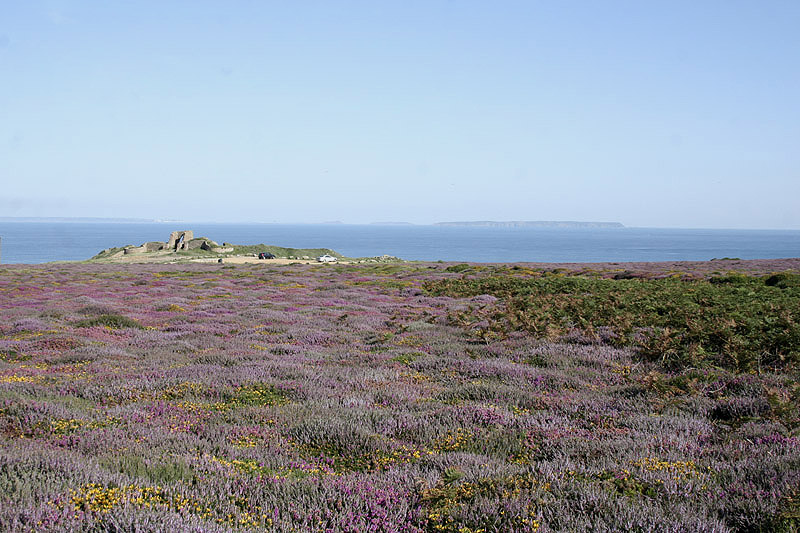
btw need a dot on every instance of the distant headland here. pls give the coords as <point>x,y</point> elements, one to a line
<point>183,246</point>
<point>534,224</point>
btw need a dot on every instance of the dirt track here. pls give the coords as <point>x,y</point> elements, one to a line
<point>239,259</point>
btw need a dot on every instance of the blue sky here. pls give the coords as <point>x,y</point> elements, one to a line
<point>673,114</point>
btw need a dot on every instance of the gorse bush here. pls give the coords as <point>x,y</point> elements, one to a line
<point>739,322</point>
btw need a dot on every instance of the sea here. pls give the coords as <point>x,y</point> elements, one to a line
<point>41,242</point>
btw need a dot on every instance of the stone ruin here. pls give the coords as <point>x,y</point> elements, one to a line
<point>179,240</point>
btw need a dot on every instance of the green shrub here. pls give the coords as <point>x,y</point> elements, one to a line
<point>783,280</point>
<point>457,268</point>
<point>733,279</point>
<point>111,321</point>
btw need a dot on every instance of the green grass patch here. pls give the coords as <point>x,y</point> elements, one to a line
<point>108,252</point>
<point>407,358</point>
<point>260,394</point>
<point>281,252</point>
<point>154,471</point>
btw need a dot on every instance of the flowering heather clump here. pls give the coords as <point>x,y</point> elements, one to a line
<point>392,398</point>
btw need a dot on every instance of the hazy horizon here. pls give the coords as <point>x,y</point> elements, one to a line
<point>135,220</point>
<point>675,116</point>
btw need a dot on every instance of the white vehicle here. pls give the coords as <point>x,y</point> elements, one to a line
<point>326,259</point>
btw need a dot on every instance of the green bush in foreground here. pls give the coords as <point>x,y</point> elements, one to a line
<point>742,323</point>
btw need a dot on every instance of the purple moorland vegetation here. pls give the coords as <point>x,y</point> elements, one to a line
<point>345,398</point>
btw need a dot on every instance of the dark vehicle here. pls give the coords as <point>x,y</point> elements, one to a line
<point>266,255</point>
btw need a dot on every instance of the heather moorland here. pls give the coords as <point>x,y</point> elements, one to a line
<point>400,397</point>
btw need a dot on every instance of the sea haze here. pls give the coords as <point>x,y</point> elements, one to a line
<point>38,242</point>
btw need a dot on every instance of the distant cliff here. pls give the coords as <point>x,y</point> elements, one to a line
<point>534,224</point>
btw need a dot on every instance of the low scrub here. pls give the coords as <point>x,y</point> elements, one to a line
<point>739,322</point>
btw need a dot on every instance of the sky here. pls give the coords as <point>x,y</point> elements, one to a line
<point>656,114</point>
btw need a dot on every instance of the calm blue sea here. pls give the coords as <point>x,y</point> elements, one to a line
<point>38,242</point>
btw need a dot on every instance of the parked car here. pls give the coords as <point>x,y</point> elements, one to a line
<point>266,255</point>
<point>326,259</point>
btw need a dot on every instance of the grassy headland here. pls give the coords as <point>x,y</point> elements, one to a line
<point>230,251</point>
<point>236,253</point>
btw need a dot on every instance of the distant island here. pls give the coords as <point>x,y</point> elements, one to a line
<point>533,224</point>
